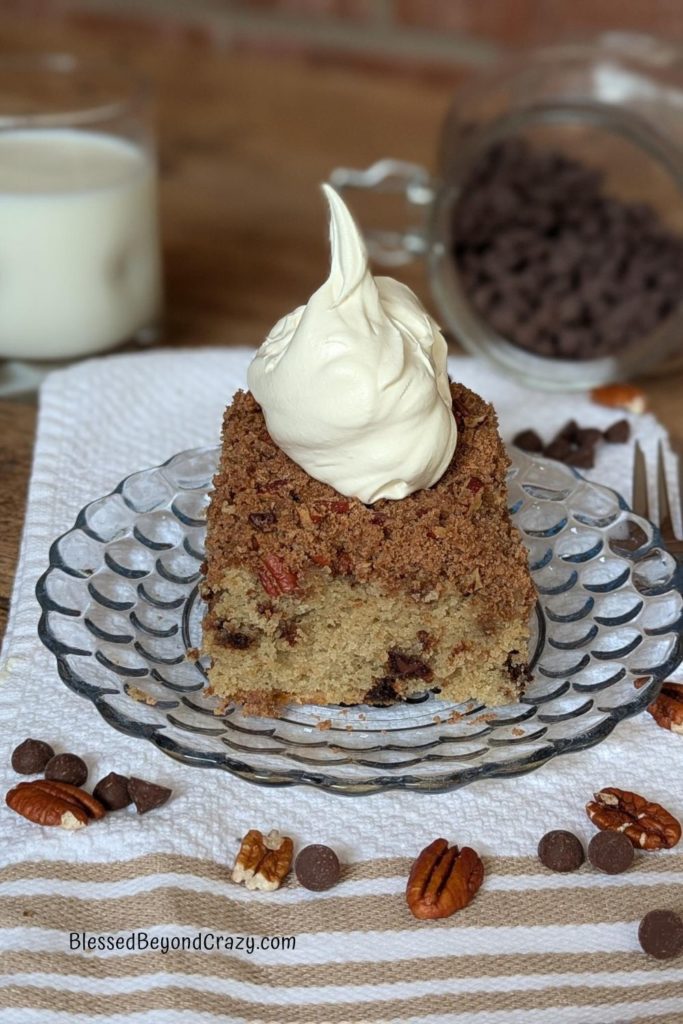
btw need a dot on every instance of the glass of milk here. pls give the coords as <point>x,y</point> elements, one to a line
<point>79,241</point>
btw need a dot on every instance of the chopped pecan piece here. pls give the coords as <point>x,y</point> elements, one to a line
<point>648,825</point>
<point>667,708</point>
<point>307,520</point>
<point>263,862</point>
<point>276,579</point>
<point>443,880</point>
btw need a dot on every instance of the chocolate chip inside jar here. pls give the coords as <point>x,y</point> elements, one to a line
<point>555,264</point>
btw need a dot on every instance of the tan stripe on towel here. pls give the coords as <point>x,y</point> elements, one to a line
<point>424,1006</point>
<point>335,913</point>
<point>369,972</point>
<point>157,863</point>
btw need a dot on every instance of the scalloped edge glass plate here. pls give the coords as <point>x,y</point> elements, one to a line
<point>121,613</point>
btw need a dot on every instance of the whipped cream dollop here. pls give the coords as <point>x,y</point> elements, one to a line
<point>353,385</point>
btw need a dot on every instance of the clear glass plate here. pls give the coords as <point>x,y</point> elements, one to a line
<point>121,613</point>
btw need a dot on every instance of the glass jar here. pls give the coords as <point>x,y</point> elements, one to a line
<point>614,105</point>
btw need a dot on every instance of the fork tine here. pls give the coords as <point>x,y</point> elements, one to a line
<point>663,494</point>
<point>639,502</point>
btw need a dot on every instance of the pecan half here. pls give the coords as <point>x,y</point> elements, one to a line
<point>276,579</point>
<point>443,880</point>
<point>54,803</point>
<point>263,862</point>
<point>667,708</point>
<point>648,825</point>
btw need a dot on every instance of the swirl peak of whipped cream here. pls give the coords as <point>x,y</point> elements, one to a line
<point>354,385</point>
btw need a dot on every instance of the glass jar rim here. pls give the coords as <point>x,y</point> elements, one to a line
<point>133,87</point>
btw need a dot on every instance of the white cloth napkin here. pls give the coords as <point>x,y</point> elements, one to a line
<point>106,418</point>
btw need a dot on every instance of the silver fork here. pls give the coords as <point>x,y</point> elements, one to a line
<point>641,502</point>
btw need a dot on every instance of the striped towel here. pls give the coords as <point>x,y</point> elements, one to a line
<point>136,920</point>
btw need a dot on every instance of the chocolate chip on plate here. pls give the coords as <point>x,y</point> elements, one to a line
<point>661,934</point>
<point>618,433</point>
<point>561,851</point>
<point>528,441</point>
<point>147,795</point>
<point>31,756</point>
<point>67,768</point>
<point>317,867</point>
<point>611,852</point>
<point>112,791</point>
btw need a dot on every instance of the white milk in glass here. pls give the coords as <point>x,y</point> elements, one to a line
<point>79,249</point>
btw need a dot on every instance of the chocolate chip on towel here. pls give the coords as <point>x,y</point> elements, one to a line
<point>528,441</point>
<point>67,768</point>
<point>611,852</point>
<point>317,867</point>
<point>31,756</point>
<point>147,795</point>
<point>561,851</point>
<point>618,433</point>
<point>661,934</point>
<point>112,791</point>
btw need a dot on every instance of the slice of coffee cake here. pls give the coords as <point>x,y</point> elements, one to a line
<point>315,597</point>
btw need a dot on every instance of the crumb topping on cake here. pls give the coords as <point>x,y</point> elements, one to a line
<point>267,515</point>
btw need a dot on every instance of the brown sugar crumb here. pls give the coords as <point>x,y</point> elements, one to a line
<point>326,723</point>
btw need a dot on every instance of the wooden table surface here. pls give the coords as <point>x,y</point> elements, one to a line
<point>244,141</point>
